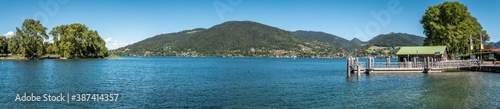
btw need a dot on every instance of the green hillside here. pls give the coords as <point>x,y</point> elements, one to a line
<point>157,45</point>
<point>252,39</point>
<point>233,38</point>
<point>327,38</point>
<point>356,41</point>
<point>396,39</point>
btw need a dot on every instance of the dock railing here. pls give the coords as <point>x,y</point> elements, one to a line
<point>455,64</point>
<point>427,64</point>
<point>431,64</point>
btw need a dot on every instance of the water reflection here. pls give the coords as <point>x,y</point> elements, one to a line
<point>433,90</point>
<point>454,90</point>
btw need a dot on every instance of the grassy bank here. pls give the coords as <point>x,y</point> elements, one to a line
<point>112,57</point>
<point>14,57</point>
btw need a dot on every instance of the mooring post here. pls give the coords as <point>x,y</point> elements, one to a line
<point>405,63</point>
<point>480,64</point>
<point>429,62</point>
<point>369,63</point>
<point>414,65</point>
<point>357,67</point>
<point>348,67</point>
<point>425,65</point>
<point>359,71</point>
<point>432,62</point>
<point>372,63</point>
<point>388,62</point>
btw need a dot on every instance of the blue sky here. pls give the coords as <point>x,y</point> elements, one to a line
<point>122,22</point>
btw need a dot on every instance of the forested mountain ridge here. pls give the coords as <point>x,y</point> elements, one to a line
<point>233,38</point>
<point>327,38</point>
<point>383,40</point>
<point>252,39</point>
<point>396,39</point>
<point>160,42</point>
<point>356,41</point>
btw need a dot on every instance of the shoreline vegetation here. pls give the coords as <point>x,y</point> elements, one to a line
<point>17,57</point>
<point>73,41</point>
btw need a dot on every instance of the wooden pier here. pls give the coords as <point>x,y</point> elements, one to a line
<point>354,66</point>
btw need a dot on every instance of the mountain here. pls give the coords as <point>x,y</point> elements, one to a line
<point>396,39</point>
<point>497,45</point>
<point>252,39</point>
<point>162,42</point>
<point>326,38</point>
<point>356,41</point>
<point>233,38</point>
<point>385,40</point>
<point>235,35</point>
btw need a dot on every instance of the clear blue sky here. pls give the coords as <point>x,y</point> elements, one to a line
<point>122,22</point>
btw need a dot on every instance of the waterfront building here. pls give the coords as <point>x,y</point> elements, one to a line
<point>418,53</point>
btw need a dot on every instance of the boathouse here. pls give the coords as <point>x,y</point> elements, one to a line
<point>418,53</point>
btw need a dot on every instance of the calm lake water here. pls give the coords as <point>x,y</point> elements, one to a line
<point>178,82</point>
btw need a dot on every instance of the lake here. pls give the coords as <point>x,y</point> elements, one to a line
<point>183,82</point>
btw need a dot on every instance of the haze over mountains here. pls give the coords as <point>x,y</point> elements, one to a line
<point>247,38</point>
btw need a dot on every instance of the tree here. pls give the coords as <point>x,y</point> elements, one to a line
<point>31,35</point>
<point>77,41</point>
<point>51,48</point>
<point>450,24</point>
<point>3,45</point>
<point>14,45</point>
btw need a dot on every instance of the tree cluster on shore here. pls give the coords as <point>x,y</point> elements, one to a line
<point>452,25</point>
<point>69,41</point>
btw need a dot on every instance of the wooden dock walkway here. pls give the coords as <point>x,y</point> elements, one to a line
<point>354,66</point>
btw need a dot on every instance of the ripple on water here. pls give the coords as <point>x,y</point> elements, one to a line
<point>175,82</point>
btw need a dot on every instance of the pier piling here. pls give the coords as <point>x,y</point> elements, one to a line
<point>357,67</point>
<point>349,63</point>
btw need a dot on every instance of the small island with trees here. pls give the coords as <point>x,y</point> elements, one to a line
<point>73,41</point>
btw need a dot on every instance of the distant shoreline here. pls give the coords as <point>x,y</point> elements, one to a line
<point>257,57</point>
<point>117,56</point>
<point>54,57</point>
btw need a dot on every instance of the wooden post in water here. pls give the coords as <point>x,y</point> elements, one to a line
<point>425,65</point>
<point>388,62</point>
<point>369,64</point>
<point>428,63</point>
<point>480,62</point>
<point>357,67</point>
<point>431,65</point>
<point>348,67</point>
<point>372,65</point>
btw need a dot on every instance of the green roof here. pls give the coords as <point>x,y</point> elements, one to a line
<point>411,50</point>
